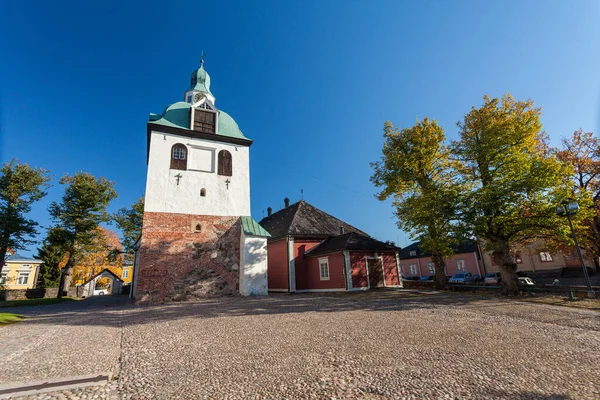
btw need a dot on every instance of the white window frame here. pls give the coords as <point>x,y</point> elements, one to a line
<point>460,265</point>
<point>178,153</point>
<point>210,151</point>
<point>3,278</point>
<point>412,268</point>
<point>125,274</point>
<point>412,253</point>
<point>545,256</point>
<point>27,273</point>
<point>324,262</point>
<point>431,267</point>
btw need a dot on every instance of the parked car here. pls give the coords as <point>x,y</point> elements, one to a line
<point>525,281</point>
<point>476,278</point>
<point>100,291</point>
<point>410,278</point>
<point>493,277</point>
<point>461,277</point>
<point>429,278</point>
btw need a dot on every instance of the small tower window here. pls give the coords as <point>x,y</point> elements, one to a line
<point>224,163</point>
<point>203,192</point>
<point>179,157</point>
<point>198,228</point>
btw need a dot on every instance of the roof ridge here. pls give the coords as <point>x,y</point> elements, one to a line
<point>294,217</point>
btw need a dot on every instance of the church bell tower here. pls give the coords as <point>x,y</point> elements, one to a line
<point>197,200</point>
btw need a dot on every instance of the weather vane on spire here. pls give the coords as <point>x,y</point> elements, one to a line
<point>202,58</point>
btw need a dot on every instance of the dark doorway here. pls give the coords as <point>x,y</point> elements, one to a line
<point>375,272</point>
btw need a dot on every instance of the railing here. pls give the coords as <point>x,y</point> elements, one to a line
<point>529,289</point>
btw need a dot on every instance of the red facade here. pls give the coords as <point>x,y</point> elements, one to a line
<point>461,262</point>
<point>277,264</point>
<point>307,271</point>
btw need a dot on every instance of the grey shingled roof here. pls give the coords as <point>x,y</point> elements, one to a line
<point>20,258</point>
<point>467,246</point>
<point>304,220</point>
<point>350,241</point>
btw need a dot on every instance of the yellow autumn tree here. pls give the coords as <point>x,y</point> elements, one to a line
<point>99,255</point>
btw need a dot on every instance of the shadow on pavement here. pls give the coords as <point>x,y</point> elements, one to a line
<point>113,310</point>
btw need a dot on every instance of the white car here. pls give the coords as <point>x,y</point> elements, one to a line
<point>525,281</point>
<point>100,292</point>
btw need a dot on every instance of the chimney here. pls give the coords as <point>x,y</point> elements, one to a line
<point>286,201</point>
<point>342,231</point>
<point>269,211</point>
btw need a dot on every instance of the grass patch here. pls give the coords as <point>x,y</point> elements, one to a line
<point>33,302</point>
<point>9,318</point>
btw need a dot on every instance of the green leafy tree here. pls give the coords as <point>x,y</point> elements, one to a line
<point>53,254</point>
<point>415,171</point>
<point>513,184</point>
<point>582,151</point>
<point>78,217</point>
<point>129,221</point>
<point>20,187</point>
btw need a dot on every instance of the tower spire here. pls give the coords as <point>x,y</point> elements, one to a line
<point>202,55</point>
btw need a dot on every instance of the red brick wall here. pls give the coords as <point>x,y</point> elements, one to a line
<point>173,255</point>
<point>277,265</point>
<point>301,246</point>
<point>336,272</point>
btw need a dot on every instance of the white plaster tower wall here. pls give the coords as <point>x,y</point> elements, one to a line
<point>253,261</point>
<point>222,198</point>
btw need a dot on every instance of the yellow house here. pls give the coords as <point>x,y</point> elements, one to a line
<point>19,272</point>
<point>127,272</point>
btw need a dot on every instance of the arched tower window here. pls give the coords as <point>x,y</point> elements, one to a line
<point>224,163</point>
<point>179,156</point>
<point>203,192</point>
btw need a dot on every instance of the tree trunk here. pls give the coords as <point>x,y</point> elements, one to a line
<point>65,278</point>
<point>441,280</point>
<point>596,230</point>
<point>509,283</point>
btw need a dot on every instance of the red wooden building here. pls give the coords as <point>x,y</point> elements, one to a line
<point>311,251</point>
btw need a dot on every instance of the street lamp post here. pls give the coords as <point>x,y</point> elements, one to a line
<point>568,208</point>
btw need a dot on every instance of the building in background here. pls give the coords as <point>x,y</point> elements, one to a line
<point>311,251</point>
<point>19,272</point>
<point>414,261</point>
<point>127,272</point>
<point>537,258</point>
<point>198,238</point>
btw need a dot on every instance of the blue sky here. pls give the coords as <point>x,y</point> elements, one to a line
<point>311,82</point>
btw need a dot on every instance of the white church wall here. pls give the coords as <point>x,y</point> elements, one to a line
<point>253,270</point>
<point>163,194</point>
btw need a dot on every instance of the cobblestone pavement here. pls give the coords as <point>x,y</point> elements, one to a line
<point>351,346</point>
<point>62,340</point>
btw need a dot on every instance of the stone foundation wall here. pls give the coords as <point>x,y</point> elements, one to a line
<point>38,293</point>
<point>185,256</point>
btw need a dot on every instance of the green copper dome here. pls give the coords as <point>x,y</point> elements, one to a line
<point>200,80</point>
<point>177,115</point>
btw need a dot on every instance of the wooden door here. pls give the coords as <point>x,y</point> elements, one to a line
<point>375,272</point>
